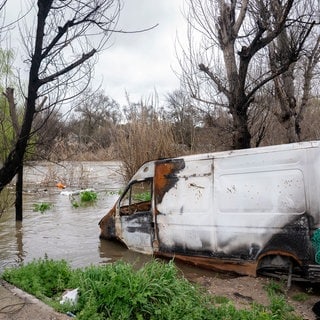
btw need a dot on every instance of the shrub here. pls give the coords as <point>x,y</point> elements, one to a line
<point>143,138</point>
<point>42,278</point>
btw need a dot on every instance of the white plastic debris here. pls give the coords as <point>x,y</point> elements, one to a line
<point>74,192</point>
<point>70,296</point>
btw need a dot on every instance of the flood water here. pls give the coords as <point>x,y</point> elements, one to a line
<point>63,231</point>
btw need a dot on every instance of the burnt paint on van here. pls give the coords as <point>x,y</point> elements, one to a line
<point>166,176</point>
<point>293,239</point>
<point>287,233</point>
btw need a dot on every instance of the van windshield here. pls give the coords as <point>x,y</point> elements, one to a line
<point>137,198</point>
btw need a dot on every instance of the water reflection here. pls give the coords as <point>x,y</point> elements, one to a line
<point>63,232</point>
<point>19,236</point>
<point>111,251</point>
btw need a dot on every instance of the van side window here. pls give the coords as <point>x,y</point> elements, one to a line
<point>137,198</point>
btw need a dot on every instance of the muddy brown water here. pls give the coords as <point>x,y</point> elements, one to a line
<point>63,231</point>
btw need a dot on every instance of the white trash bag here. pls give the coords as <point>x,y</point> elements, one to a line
<point>70,296</point>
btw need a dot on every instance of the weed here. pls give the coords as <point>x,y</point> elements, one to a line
<point>301,296</point>
<point>274,288</point>
<point>75,204</point>
<point>85,197</point>
<point>118,291</point>
<point>220,299</point>
<point>88,196</point>
<point>42,278</point>
<point>42,207</point>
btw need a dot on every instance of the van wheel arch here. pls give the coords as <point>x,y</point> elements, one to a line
<point>277,264</point>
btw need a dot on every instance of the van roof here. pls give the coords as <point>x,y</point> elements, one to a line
<point>258,150</point>
<point>147,169</point>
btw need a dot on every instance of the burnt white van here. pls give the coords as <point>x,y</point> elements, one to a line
<point>245,211</point>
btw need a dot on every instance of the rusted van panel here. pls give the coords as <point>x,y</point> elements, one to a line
<point>241,211</point>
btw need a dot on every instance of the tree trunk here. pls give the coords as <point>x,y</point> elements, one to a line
<point>9,94</point>
<point>19,187</point>
<point>241,135</point>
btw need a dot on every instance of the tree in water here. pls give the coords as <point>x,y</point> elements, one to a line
<point>61,46</point>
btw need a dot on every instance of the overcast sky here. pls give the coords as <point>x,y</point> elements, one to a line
<point>144,62</point>
<point>140,63</point>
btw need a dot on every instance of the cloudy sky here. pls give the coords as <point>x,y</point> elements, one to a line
<point>140,63</point>
<point>144,62</point>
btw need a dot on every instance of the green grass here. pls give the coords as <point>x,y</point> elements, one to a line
<point>42,207</point>
<point>118,291</point>
<point>301,296</point>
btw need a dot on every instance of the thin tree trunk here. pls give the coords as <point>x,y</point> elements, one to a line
<point>19,187</point>
<point>9,94</point>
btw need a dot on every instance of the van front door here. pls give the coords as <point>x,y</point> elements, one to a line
<point>137,228</point>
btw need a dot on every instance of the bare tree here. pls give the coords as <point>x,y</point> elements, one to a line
<point>293,87</point>
<point>184,116</point>
<point>226,65</point>
<point>61,45</point>
<point>98,115</point>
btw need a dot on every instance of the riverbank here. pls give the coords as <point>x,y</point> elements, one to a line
<point>17,304</point>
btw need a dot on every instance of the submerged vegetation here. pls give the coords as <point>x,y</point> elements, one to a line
<point>118,291</point>
<point>86,197</point>
<point>42,207</point>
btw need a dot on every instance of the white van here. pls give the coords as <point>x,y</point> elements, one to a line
<point>245,211</point>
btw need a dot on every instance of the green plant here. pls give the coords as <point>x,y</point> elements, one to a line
<point>220,299</point>
<point>118,291</point>
<point>274,287</point>
<point>143,196</point>
<point>42,278</point>
<point>42,207</point>
<point>278,305</point>
<point>75,204</point>
<point>88,196</point>
<point>301,296</point>
<point>85,197</point>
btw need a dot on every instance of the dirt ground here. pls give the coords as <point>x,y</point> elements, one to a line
<point>245,290</point>
<point>18,305</point>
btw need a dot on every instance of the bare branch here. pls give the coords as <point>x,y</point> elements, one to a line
<point>70,67</point>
